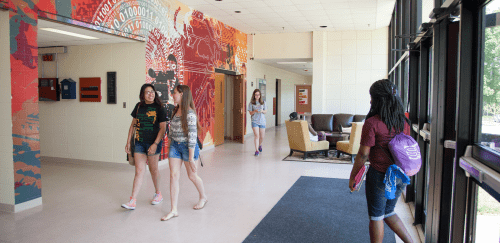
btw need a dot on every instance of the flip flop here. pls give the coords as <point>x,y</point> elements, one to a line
<point>169,216</point>
<point>202,206</point>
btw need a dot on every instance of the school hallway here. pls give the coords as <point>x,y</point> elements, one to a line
<point>81,202</point>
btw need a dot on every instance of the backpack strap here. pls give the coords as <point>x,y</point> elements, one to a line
<point>386,154</point>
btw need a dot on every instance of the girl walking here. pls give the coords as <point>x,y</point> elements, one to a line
<point>385,119</point>
<point>148,125</point>
<point>258,109</point>
<point>183,136</point>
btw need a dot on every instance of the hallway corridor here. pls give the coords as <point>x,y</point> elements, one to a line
<point>81,201</point>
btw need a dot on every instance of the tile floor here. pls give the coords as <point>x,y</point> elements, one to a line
<point>81,202</point>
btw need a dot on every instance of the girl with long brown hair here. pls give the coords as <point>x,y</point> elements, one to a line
<point>149,125</point>
<point>183,136</point>
<point>258,110</point>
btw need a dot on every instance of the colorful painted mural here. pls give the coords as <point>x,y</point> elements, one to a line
<point>183,46</point>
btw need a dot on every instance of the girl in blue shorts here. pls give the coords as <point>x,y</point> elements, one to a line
<point>258,110</point>
<point>385,119</point>
<point>183,136</point>
<point>149,124</point>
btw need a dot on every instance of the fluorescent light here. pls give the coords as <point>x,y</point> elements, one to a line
<point>69,33</point>
<point>291,63</point>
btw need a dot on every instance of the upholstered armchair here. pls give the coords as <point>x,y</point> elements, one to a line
<point>299,140</point>
<point>351,147</point>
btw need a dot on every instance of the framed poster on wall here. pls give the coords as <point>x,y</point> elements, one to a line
<point>262,87</point>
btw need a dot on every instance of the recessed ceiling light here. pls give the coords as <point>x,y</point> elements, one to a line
<point>285,63</point>
<point>323,26</point>
<point>237,11</point>
<point>69,33</point>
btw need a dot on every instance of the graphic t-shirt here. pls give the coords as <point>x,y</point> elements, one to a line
<point>376,135</point>
<point>258,118</point>
<point>149,116</point>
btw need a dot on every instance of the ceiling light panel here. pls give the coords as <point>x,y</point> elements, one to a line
<point>69,33</point>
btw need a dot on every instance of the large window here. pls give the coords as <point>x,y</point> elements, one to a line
<point>487,210</point>
<point>490,116</point>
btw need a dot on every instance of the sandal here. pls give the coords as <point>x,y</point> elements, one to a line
<point>202,202</point>
<point>169,216</point>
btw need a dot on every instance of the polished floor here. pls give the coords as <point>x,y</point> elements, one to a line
<point>81,202</point>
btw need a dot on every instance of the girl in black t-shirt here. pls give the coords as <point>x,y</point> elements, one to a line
<point>148,126</point>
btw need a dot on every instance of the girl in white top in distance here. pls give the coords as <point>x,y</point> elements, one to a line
<point>258,109</point>
<point>183,136</point>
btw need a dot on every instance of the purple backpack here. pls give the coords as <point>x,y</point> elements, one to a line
<point>406,153</point>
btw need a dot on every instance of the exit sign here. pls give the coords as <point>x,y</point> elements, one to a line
<point>48,57</point>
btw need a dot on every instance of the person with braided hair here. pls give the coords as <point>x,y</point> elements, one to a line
<point>385,119</point>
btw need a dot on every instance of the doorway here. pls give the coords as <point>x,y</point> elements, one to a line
<point>276,105</point>
<point>229,105</point>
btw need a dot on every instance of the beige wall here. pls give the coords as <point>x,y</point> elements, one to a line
<point>354,60</point>
<point>286,45</point>
<point>88,130</point>
<point>6,157</point>
<point>288,81</point>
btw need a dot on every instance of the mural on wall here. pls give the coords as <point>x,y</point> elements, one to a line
<point>24,90</point>
<point>183,46</point>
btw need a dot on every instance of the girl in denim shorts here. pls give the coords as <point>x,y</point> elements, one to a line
<point>183,136</point>
<point>385,119</point>
<point>148,126</point>
<point>258,110</point>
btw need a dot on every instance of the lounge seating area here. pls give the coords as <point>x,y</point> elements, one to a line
<point>342,133</point>
<point>299,140</point>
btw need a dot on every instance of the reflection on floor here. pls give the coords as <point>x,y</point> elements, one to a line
<point>81,202</point>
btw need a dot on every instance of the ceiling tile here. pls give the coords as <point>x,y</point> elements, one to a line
<point>253,4</point>
<point>295,19</point>
<point>290,14</point>
<point>320,17</point>
<point>232,6</point>
<point>316,6</point>
<point>365,4</point>
<point>192,3</point>
<point>243,16</point>
<point>298,2</point>
<point>313,12</point>
<point>336,5</point>
<point>279,3</point>
<point>285,8</point>
<point>206,7</point>
<point>260,10</point>
<point>265,15</point>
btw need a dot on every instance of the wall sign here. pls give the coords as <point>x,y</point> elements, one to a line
<point>111,76</point>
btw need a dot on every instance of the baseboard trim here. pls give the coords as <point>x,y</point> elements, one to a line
<point>8,208</point>
<point>28,205</point>
<point>21,206</point>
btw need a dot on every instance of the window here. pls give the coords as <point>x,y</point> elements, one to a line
<point>489,134</point>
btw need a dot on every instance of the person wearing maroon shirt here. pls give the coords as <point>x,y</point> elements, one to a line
<point>385,119</point>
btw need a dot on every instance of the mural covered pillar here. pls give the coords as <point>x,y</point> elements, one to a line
<point>24,106</point>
